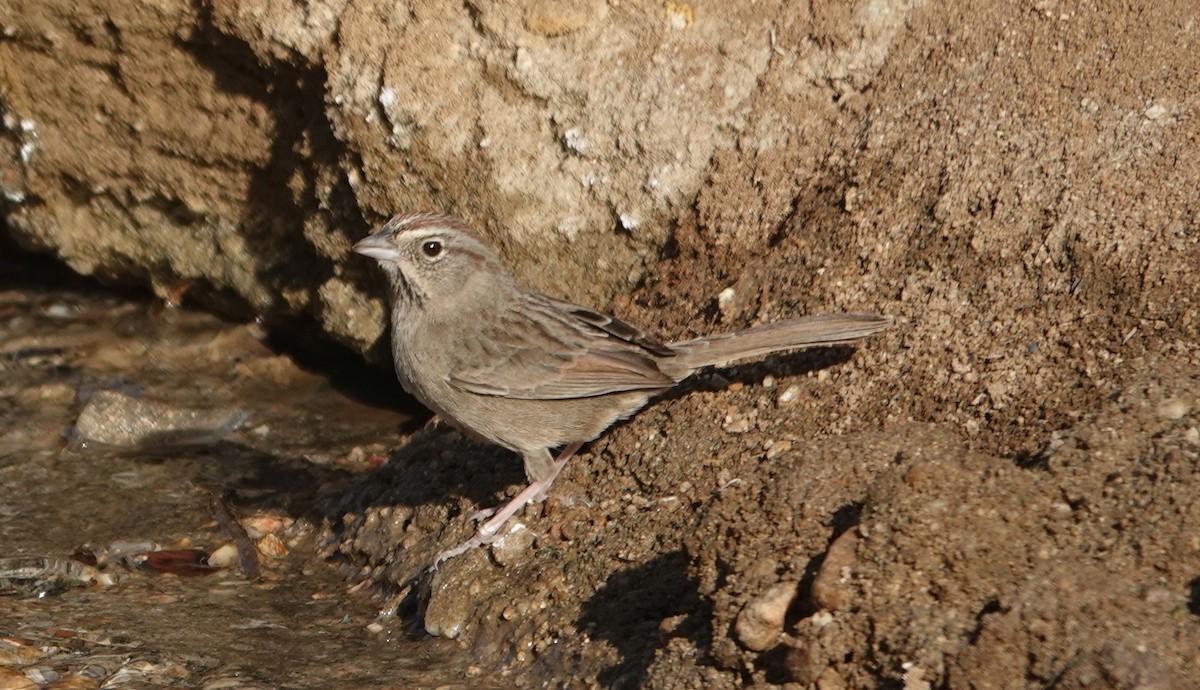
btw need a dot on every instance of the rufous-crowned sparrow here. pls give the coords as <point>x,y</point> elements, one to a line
<point>532,373</point>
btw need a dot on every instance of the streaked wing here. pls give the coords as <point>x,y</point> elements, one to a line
<point>546,349</point>
<point>613,326</point>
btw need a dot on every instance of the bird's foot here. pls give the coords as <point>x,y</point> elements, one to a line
<point>474,541</point>
<point>495,518</point>
<point>488,531</point>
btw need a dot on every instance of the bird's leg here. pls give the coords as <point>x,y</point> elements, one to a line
<point>540,469</point>
<point>539,486</point>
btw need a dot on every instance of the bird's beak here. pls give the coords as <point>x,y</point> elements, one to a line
<point>377,246</point>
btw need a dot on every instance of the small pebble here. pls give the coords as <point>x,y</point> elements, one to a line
<point>760,622</point>
<point>41,676</point>
<point>60,311</point>
<point>779,448</point>
<point>725,300</point>
<point>449,610</point>
<point>670,626</point>
<point>737,423</point>
<point>914,678</point>
<point>261,525</point>
<point>830,680</point>
<point>831,588</point>
<point>512,547</point>
<point>223,556</point>
<point>272,546</point>
<point>551,19</point>
<point>1173,409</point>
<point>788,395</point>
<point>820,619</point>
<point>679,15</point>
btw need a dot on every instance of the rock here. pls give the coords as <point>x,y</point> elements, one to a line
<point>914,679</point>
<point>830,680</point>
<point>831,588</point>
<point>738,422</point>
<point>1173,408</point>
<point>760,622</point>
<point>116,419</point>
<point>272,546</point>
<point>224,556</point>
<point>788,395</point>
<point>556,18</point>
<point>448,613</point>
<point>513,545</point>
<point>242,181</point>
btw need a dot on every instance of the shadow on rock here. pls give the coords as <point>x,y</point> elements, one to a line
<point>434,466</point>
<point>783,365</point>
<point>639,610</point>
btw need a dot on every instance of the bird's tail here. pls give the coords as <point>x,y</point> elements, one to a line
<point>810,331</point>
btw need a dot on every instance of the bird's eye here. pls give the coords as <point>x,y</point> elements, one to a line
<point>432,249</point>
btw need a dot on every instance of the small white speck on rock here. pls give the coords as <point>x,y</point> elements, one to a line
<point>1192,436</point>
<point>387,97</point>
<point>575,141</point>
<point>513,545</point>
<point>739,422</point>
<point>788,395</point>
<point>725,300</point>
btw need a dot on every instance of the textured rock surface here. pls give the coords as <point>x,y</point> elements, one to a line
<point>1035,241</point>
<point>233,149</point>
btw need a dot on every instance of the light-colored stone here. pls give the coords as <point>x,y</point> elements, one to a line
<point>760,622</point>
<point>831,589</point>
<point>116,419</point>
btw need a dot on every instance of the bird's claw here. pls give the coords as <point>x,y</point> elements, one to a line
<point>482,515</point>
<point>478,539</point>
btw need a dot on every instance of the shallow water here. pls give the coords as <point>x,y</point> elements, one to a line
<point>298,625</point>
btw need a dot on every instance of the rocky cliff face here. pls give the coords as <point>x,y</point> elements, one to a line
<point>234,150</point>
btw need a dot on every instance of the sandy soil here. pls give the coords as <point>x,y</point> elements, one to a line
<point>1009,476</point>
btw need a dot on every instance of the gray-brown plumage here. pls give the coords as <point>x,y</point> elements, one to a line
<point>529,372</point>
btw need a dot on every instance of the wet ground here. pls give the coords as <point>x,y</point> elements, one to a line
<point>230,414</point>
